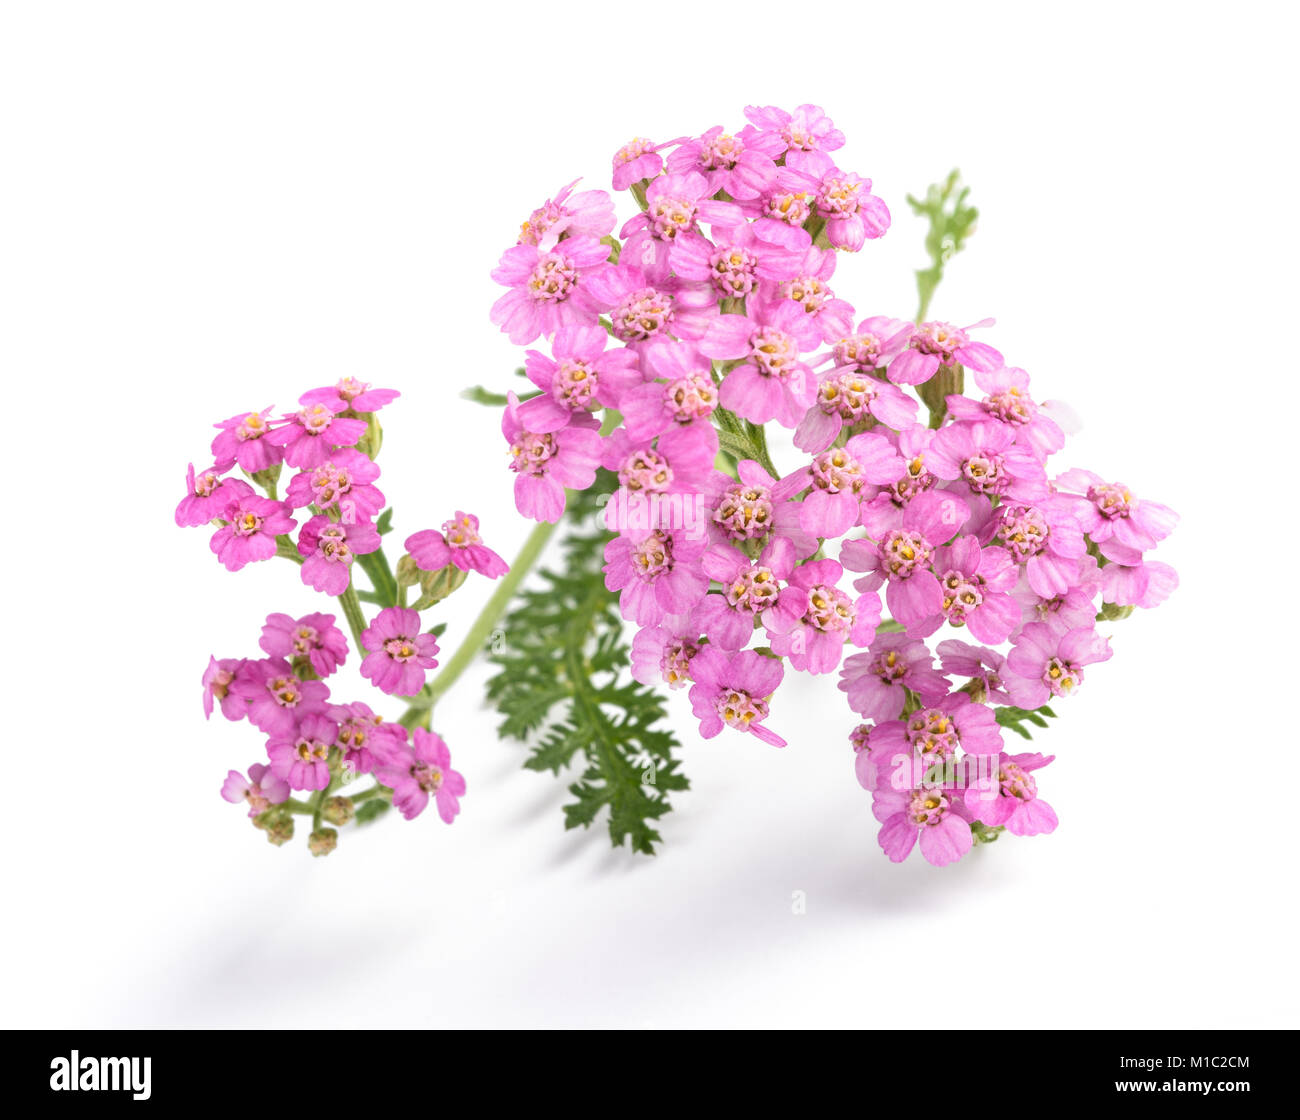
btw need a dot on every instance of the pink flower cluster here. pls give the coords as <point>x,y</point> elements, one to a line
<point>710,314</point>
<point>313,744</point>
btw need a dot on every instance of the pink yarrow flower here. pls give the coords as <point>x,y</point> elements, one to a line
<point>260,790</point>
<point>644,308</point>
<point>218,678</point>
<point>807,129</point>
<point>752,508</point>
<point>838,480</point>
<point>740,258</point>
<point>976,585</point>
<point>1008,402</point>
<point>638,159</point>
<point>300,753</point>
<point>733,690</point>
<point>772,382</point>
<point>976,663</point>
<point>355,396</point>
<point>545,463</point>
<point>852,214</point>
<point>662,654</point>
<point>750,592</point>
<point>243,441</point>
<point>420,770</point>
<point>1076,607</point>
<point>252,524</point>
<point>1112,511</point>
<point>936,733</point>
<point>1046,538</point>
<point>675,205</point>
<point>459,544</point>
<point>885,511</point>
<point>310,435</point>
<point>581,377</point>
<point>1130,581</point>
<point>845,398</point>
<point>830,619</point>
<point>1047,661</point>
<point>312,640</point>
<point>743,165</point>
<point>984,458</point>
<point>328,549</point>
<point>678,462</point>
<point>682,392</point>
<point>937,815</point>
<point>206,497</point>
<point>400,654</point>
<point>935,344</point>
<point>902,557</point>
<point>810,289</point>
<point>361,734</point>
<point>877,682</point>
<point>344,482</point>
<point>548,288</point>
<point>657,573</point>
<point>585,214</point>
<point>276,697</point>
<point>1012,800</point>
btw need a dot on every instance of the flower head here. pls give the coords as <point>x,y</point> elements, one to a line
<point>400,654</point>
<point>251,526</point>
<point>311,434</point>
<point>545,463</point>
<point>260,790</point>
<point>300,751</point>
<point>459,544</point>
<point>733,690</point>
<point>218,678</point>
<point>311,640</point>
<point>243,441</point>
<point>419,770</point>
<point>355,396</point>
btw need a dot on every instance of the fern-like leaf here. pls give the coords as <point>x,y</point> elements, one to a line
<point>562,686</point>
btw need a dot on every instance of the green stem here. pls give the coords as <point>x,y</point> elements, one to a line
<point>352,612</point>
<point>318,800</point>
<point>491,614</point>
<point>285,547</point>
<point>367,794</point>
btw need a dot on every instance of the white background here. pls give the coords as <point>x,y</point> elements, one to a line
<point>212,207</point>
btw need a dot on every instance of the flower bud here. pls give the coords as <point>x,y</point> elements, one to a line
<point>279,827</point>
<point>338,810</point>
<point>322,841</point>
<point>267,478</point>
<point>408,572</point>
<point>1110,612</point>
<point>370,443</point>
<point>438,585</point>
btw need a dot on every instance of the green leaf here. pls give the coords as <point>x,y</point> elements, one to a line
<point>372,810</point>
<point>375,565</point>
<point>562,686</point>
<point>1014,719</point>
<point>952,221</point>
<point>480,395</point>
<point>385,522</point>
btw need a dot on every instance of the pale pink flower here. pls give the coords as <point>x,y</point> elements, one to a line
<point>936,344</point>
<point>733,690</point>
<point>260,790</point>
<point>548,289</point>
